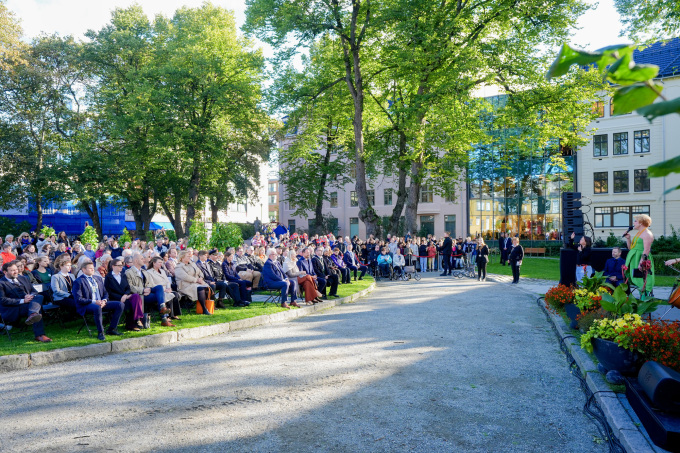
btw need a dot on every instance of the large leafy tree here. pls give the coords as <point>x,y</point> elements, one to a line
<point>11,46</point>
<point>651,19</point>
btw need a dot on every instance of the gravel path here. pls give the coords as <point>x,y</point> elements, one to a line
<point>437,366</point>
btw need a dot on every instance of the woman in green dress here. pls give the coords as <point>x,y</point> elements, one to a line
<point>639,247</point>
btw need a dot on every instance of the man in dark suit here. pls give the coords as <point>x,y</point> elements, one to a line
<point>219,286</point>
<point>91,296</point>
<point>324,273</point>
<point>305,264</point>
<point>612,268</point>
<point>231,274</point>
<point>504,245</point>
<point>18,298</point>
<point>117,286</point>
<point>274,278</point>
<point>447,249</point>
<point>353,264</point>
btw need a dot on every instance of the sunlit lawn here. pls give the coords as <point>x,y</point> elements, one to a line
<point>548,269</point>
<point>67,336</point>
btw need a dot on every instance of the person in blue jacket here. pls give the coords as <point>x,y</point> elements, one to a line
<point>612,268</point>
<point>274,278</point>
<point>384,262</point>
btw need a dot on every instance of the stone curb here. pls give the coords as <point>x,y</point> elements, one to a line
<point>23,361</point>
<point>615,407</point>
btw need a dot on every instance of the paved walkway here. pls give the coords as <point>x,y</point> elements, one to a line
<point>440,365</point>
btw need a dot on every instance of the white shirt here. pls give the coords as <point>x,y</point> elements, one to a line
<point>116,276</point>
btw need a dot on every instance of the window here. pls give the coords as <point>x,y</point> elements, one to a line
<point>426,194</point>
<point>450,224</point>
<point>620,143</point>
<point>598,108</point>
<point>641,180</point>
<point>426,224</point>
<point>353,171</point>
<point>334,199</point>
<point>618,216</point>
<point>621,181</point>
<point>601,182</point>
<point>641,141</point>
<point>291,225</point>
<point>600,145</point>
<point>353,200</point>
<point>272,187</point>
<point>272,199</point>
<point>370,194</point>
<point>388,197</point>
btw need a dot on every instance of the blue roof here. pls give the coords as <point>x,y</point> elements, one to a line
<point>665,55</point>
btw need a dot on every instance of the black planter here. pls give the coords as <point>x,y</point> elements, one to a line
<point>614,357</point>
<point>572,311</point>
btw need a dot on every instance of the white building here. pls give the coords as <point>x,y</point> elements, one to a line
<point>612,168</point>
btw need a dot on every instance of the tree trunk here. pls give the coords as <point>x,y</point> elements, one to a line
<point>402,193</point>
<point>39,211</point>
<point>321,188</point>
<point>411,212</point>
<point>193,194</point>
<point>179,229</point>
<point>91,208</point>
<point>355,83</point>
<point>213,211</point>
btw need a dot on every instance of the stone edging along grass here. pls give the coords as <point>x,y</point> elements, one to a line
<point>24,361</point>
<point>612,404</point>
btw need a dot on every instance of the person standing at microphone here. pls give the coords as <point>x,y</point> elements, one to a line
<point>639,261</point>
<point>584,249</point>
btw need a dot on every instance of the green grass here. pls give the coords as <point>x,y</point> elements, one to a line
<point>549,269</point>
<point>67,336</point>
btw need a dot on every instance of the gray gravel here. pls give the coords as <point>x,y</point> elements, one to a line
<point>437,366</point>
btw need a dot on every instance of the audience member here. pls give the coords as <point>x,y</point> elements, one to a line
<point>91,297</point>
<point>62,283</point>
<point>18,298</point>
<point>119,289</point>
<point>190,281</point>
<point>274,277</point>
<point>613,267</point>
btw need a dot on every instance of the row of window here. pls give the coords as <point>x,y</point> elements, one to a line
<point>621,179</point>
<point>618,216</point>
<point>620,143</point>
<point>426,223</point>
<point>598,107</point>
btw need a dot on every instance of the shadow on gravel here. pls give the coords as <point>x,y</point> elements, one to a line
<point>460,367</point>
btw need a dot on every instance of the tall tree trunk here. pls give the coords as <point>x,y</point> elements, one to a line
<point>402,193</point>
<point>213,211</point>
<point>179,229</point>
<point>91,208</point>
<point>39,211</point>
<point>193,194</point>
<point>321,188</point>
<point>411,212</point>
<point>351,56</point>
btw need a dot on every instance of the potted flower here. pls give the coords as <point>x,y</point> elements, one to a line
<point>610,340</point>
<point>658,341</point>
<point>557,297</point>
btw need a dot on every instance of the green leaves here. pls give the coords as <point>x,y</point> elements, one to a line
<point>631,97</point>
<point>665,168</point>
<point>659,109</point>
<point>569,56</point>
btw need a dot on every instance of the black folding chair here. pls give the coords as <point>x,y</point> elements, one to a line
<point>4,327</point>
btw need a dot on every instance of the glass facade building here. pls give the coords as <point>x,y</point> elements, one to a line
<point>517,192</point>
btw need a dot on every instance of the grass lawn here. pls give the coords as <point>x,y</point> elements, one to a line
<point>549,269</point>
<point>67,336</point>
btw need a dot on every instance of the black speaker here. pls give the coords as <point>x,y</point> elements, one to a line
<point>572,216</point>
<point>567,267</point>
<point>662,386</point>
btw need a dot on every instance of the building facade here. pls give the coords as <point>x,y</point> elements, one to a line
<point>273,198</point>
<point>611,169</point>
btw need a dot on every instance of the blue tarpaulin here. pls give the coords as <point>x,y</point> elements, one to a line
<point>154,226</point>
<point>279,230</point>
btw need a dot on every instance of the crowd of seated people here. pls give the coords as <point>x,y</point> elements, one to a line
<point>132,279</point>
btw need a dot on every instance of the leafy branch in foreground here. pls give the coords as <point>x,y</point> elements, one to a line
<point>636,88</point>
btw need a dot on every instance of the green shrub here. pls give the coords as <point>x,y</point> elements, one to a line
<point>172,236</point>
<point>47,231</point>
<point>89,236</point>
<point>125,237</point>
<point>198,236</point>
<point>9,226</point>
<point>247,230</point>
<point>225,235</point>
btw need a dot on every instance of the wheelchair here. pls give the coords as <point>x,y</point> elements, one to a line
<point>383,273</point>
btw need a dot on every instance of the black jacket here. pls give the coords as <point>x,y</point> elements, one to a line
<point>447,246</point>
<point>320,268</point>
<point>11,294</point>
<point>583,256</point>
<point>516,254</point>
<point>117,290</point>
